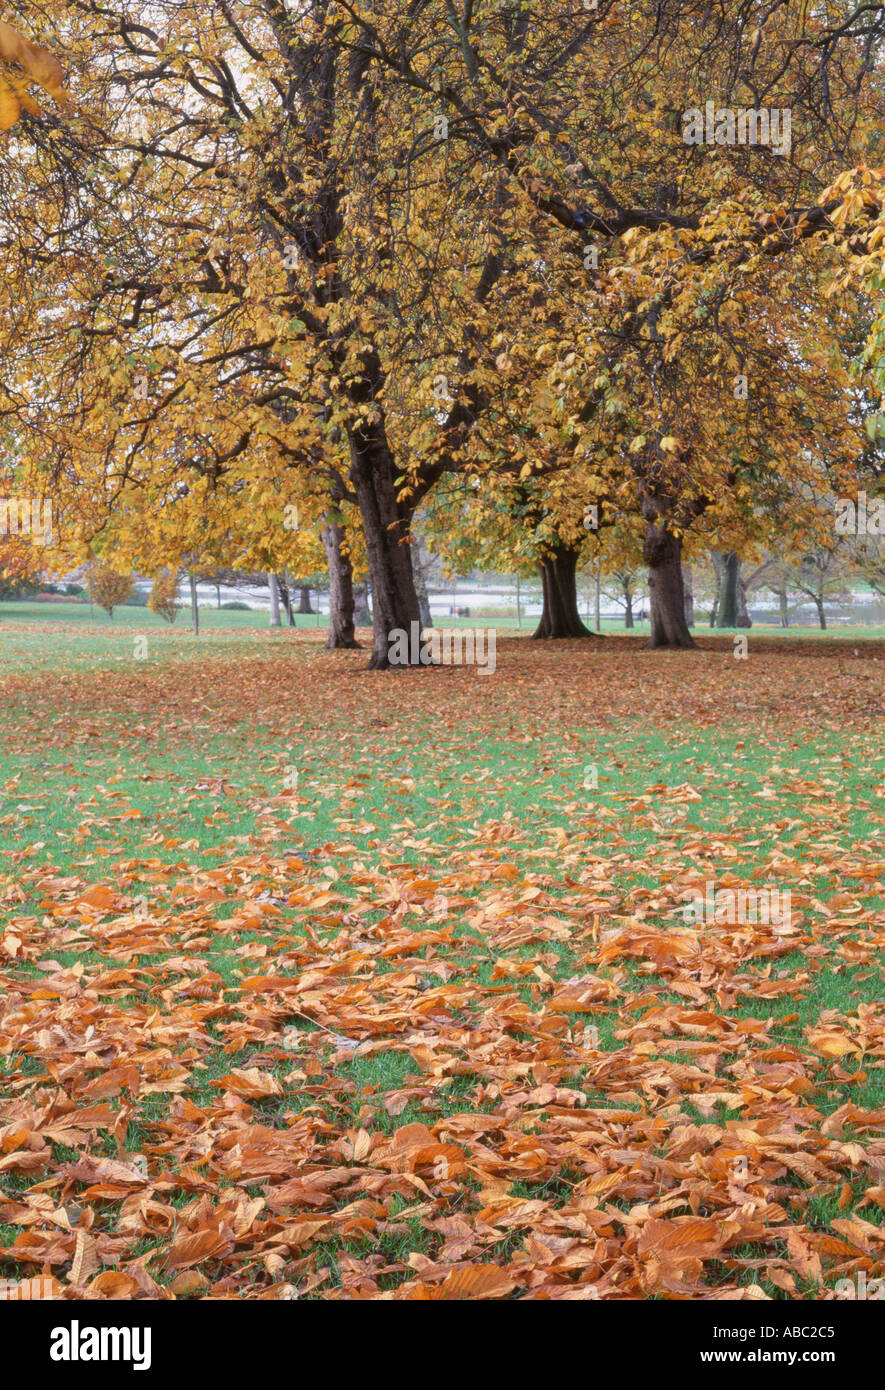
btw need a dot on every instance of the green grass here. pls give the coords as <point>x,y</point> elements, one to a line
<point>114,773</point>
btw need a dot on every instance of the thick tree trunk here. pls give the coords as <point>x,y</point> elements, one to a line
<point>744,619</point>
<point>628,609</point>
<point>728,596</point>
<point>688,588</point>
<point>784,605</point>
<point>560,616</point>
<point>385,524</point>
<point>821,615</point>
<point>663,555</point>
<point>341,624</point>
<point>362,614</point>
<point>274,600</point>
<point>304,604</point>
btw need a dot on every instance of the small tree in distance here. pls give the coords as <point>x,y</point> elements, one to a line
<point>164,595</point>
<point>107,588</point>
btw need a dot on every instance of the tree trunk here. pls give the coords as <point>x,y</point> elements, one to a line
<point>628,608</point>
<point>560,616</point>
<point>287,587</point>
<point>274,600</point>
<point>719,572</point>
<point>743,617</point>
<point>195,612</point>
<point>341,624</point>
<point>663,555</point>
<point>784,604</point>
<point>688,588</point>
<point>373,474</point>
<point>728,597</point>
<point>217,595</point>
<point>304,604</point>
<point>418,563</point>
<point>821,615</point>
<point>362,614</point>
<point>286,596</point>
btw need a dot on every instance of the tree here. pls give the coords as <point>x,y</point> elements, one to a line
<point>821,575</point>
<point>342,633</point>
<point>627,583</point>
<point>363,250</point>
<point>107,587</point>
<point>697,239</point>
<point>164,595</point>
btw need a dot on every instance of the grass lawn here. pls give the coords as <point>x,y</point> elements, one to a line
<point>380,985</point>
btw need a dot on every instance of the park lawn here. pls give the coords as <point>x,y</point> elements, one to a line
<point>379,985</point>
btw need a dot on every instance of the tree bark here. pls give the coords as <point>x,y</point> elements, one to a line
<point>784,605</point>
<point>628,608</point>
<point>274,600</point>
<point>688,588</point>
<point>821,615</point>
<point>304,604</point>
<point>743,616</point>
<point>716,561</point>
<point>290,610</point>
<point>286,595</point>
<point>341,622</point>
<point>386,526</point>
<point>663,555</point>
<point>560,616</point>
<point>728,597</point>
<point>362,614</point>
<point>418,563</point>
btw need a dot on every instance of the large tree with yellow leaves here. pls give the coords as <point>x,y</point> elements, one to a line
<point>346,251</point>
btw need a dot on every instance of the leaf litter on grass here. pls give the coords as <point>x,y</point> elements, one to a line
<point>434,1024</point>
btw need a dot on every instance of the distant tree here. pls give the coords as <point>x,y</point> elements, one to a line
<point>623,589</point>
<point>107,588</point>
<point>821,575</point>
<point>164,595</point>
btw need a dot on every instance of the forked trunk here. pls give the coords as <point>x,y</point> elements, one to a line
<point>286,596</point>
<point>663,555</point>
<point>341,623</point>
<point>560,616</point>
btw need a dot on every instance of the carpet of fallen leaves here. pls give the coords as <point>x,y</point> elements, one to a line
<point>466,1053</point>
